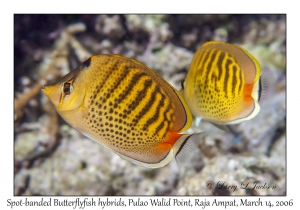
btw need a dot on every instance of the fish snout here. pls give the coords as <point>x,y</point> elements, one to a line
<point>46,90</point>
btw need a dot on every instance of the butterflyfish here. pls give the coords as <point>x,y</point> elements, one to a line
<point>126,107</point>
<point>224,84</point>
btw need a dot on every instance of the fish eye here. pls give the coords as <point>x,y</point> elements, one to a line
<point>67,88</point>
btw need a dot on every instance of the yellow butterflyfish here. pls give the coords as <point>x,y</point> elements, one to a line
<point>224,84</point>
<point>127,107</point>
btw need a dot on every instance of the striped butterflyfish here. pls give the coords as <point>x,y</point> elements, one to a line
<point>224,84</point>
<point>126,107</point>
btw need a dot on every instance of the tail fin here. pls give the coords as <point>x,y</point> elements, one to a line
<point>266,88</point>
<point>185,146</point>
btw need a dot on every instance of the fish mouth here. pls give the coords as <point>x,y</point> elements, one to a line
<point>45,90</point>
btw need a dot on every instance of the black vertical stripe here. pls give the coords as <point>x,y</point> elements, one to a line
<point>241,80</point>
<point>215,81</point>
<point>98,88</point>
<point>166,120</point>
<point>107,77</point>
<point>219,64</point>
<point>208,68</point>
<point>234,79</point>
<point>260,88</point>
<point>118,82</point>
<point>182,145</point>
<point>198,62</point>
<point>155,116</point>
<point>146,108</point>
<point>204,61</point>
<point>134,80</point>
<point>228,62</point>
<point>161,125</point>
<point>139,96</point>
